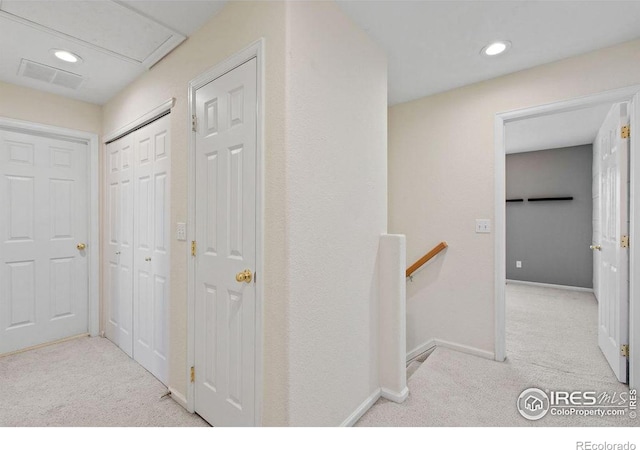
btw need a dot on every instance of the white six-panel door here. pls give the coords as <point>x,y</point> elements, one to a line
<point>613,270</point>
<point>151,248</point>
<point>137,247</point>
<point>118,249</point>
<point>225,231</point>
<point>43,273</point>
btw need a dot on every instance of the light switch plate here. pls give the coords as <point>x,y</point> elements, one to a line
<point>483,226</point>
<point>181,231</point>
<point>518,264</point>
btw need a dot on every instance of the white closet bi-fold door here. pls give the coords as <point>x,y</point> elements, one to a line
<point>137,266</point>
<point>118,251</point>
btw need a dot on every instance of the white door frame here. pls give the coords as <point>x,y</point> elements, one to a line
<point>255,50</point>
<point>501,119</point>
<point>93,231</point>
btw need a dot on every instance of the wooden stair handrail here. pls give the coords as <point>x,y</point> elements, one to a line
<point>433,252</point>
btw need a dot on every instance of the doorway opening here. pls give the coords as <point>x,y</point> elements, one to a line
<point>509,125</point>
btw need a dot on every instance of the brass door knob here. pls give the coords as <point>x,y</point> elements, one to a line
<point>595,247</point>
<point>245,276</point>
<point>81,246</point>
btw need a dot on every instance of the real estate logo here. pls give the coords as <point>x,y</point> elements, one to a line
<point>533,404</point>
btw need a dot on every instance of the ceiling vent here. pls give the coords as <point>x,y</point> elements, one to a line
<point>48,74</point>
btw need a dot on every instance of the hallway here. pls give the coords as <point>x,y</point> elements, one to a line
<point>84,382</point>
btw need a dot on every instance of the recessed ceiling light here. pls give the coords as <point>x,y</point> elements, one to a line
<point>66,55</point>
<point>496,48</point>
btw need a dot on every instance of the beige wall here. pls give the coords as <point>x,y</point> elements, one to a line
<point>236,26</point>
<point>17,102</point>
<point>441,178</point>
<point>336,113</point>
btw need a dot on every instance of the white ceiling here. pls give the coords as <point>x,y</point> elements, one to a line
<point>434,46</point>
<point>184,16</point>
<point>560,130</point>
<point>117,40</point>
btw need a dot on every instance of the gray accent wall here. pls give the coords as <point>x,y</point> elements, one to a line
<point>551,238</point>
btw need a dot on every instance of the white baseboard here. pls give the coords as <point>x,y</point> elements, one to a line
<point>450,345</point>
<point>397,397</point>
<point>420,349</point>
<point>179,398</point>
<point>46,344</point>
<point>360,410</point>
<point>465,349</point>
<point>554,286</point>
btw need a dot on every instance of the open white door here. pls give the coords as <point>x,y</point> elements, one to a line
<point>225,230</point>
<point>613,268</point>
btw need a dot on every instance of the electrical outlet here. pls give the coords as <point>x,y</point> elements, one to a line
<point>518,264</point>
<point>483,226</point>
<point>181,231</point>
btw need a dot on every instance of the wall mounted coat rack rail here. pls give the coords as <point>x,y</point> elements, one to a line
<point>549,199</point>
<point>538,199</point>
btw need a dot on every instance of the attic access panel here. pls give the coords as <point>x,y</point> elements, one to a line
<point>104,25</point>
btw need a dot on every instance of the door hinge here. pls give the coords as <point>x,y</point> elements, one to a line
<point>194,123</point>
<point>193,374</point>
<point>625,132</point>
<point>624,350</point>
<point>624,241</point>
<point>193,248</point>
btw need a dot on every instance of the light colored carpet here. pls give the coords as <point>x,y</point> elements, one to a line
<point>551,344</point>
<point>84,382</point>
